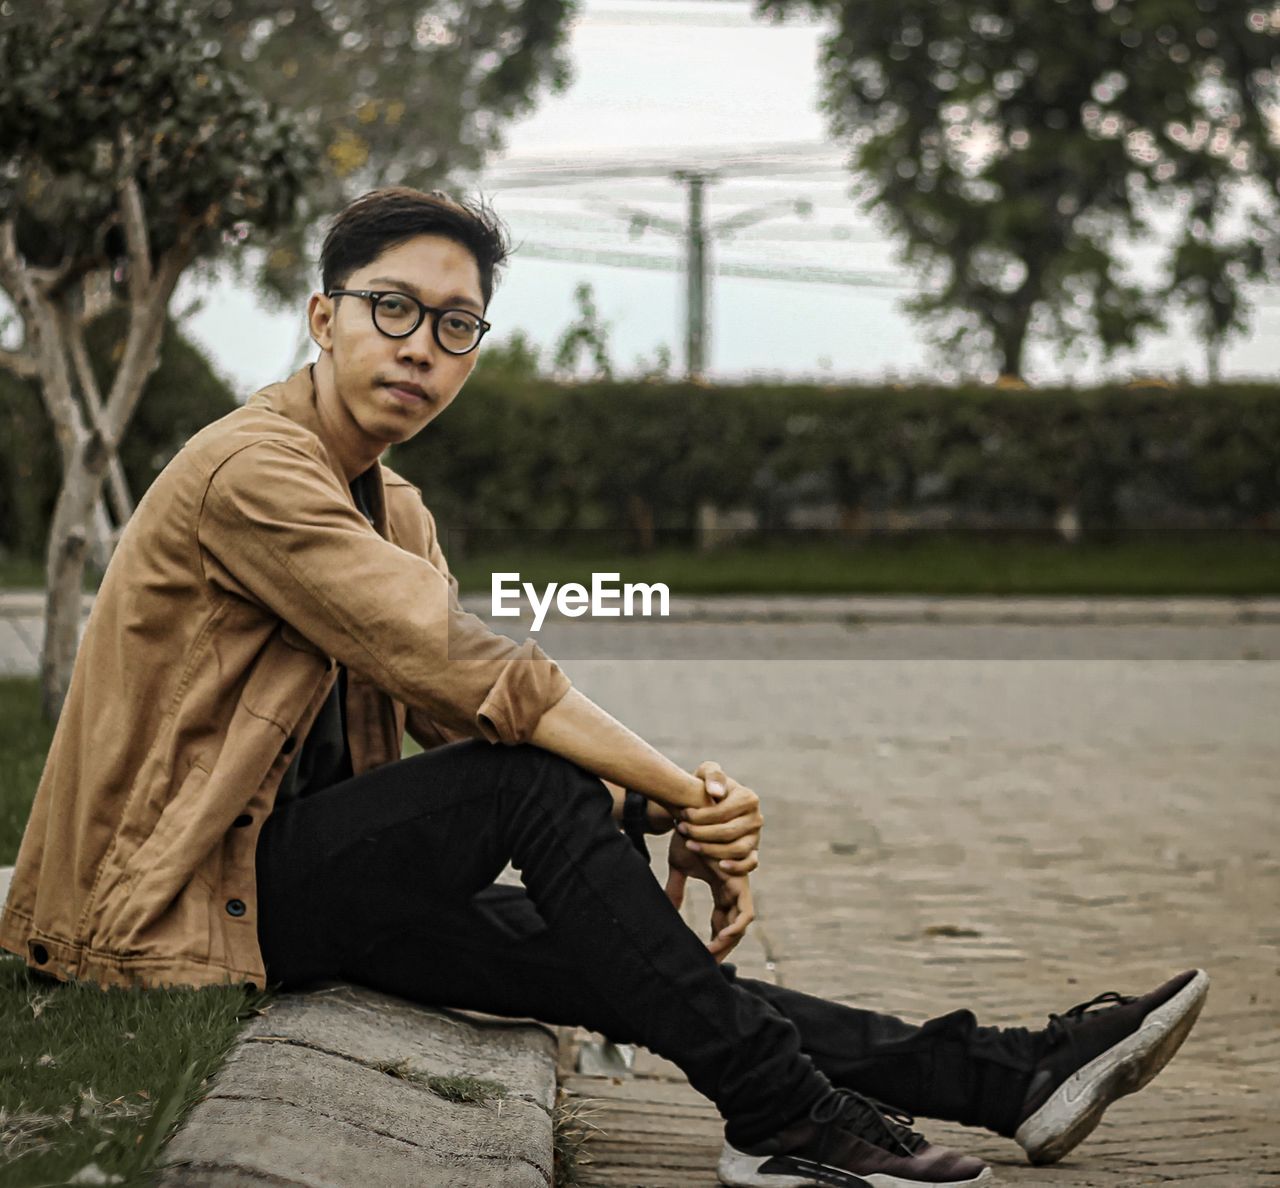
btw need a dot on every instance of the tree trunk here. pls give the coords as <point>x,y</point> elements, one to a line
<point>1213,359</point>
<point>64,578</point>
<point>52,304</point>
<point>1013,340</point>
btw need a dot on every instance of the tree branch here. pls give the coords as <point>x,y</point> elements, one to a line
<point>41,320</point>
<point>117,486</point>
<point>20,363</point>
<point>146,329</point>
<point>96,295</point>
<point>135,225</point>
<point>47,281</point>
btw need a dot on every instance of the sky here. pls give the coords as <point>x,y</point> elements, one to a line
<point>698,84</point>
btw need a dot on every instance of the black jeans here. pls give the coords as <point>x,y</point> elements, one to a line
<point>386,880</point>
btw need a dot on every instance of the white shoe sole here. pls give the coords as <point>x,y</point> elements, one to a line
<point>1077,1105</point>
<point>737,1169</point>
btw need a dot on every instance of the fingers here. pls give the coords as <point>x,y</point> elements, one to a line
<point>712,775</point>
<point>676,880</point>
<point>738,801</point>
<point>741,866</point>
<point>724,831</point>
<point>734,851</point>
<point>740,917</point>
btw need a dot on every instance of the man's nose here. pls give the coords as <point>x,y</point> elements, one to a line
<point>420,346</point>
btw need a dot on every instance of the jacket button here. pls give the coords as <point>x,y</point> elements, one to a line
<point>242,820</point>
<point>289,744</point>
<point>235,907</point>
<point>39,953</point>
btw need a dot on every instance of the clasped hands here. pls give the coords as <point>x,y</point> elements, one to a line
<point>719,844</point>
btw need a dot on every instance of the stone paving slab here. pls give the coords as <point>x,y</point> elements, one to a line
<point>1013,835</point>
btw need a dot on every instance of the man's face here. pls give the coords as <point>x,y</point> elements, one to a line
<point>367,365</point>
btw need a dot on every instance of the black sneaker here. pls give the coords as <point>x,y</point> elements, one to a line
<point>1098,1051</point>
<point>851,1142</point>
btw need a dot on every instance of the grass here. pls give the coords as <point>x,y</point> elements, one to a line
<point>24,740</point>
<point>91,1079</point>
<point>571,1130</point>
<point>1149,564</point>
<point>1135,564</point>
<point>455,1087</point>
<point>24,573</point>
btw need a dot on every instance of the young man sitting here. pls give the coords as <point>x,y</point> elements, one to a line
<point>224,799</point>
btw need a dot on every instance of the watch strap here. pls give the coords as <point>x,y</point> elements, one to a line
<point>635,820</point>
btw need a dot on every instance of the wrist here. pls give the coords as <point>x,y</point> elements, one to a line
<point>635,819</point>
<point>658,820</point>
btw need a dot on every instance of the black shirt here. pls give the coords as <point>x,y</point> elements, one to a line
<point>325,756</point>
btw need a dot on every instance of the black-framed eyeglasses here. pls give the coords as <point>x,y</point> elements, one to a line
<point>397,315</point>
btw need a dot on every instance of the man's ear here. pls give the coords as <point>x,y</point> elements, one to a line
<point>320,315</point>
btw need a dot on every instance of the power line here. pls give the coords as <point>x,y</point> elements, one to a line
<point>817,274</point>
<point>1268,295</point>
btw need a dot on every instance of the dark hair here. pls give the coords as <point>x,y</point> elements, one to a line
<point>381,219</point>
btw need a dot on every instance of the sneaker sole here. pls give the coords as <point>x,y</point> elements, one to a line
<point>740,1170</point>
<point>1077,1106</point>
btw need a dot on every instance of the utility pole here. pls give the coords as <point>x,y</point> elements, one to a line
<point>697,270</point>
<point>698,237</point>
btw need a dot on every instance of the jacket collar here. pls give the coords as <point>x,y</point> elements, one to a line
<point>295,398</point>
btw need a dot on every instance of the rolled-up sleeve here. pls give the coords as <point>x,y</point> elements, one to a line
<point>277,522</point>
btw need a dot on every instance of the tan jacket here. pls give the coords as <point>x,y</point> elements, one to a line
<point>244,574</point>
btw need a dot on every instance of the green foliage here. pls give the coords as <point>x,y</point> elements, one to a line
<point>180,396</point>
<point>586,456</point>
<point>588,334</point>
<point>1011,146</point>
<point>399,92</point>
<point>136,89</point>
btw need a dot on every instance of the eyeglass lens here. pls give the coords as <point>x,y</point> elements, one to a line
<point>456,329</point>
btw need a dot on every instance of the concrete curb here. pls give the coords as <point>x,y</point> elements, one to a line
<point>306,1098</point>
<point>28,606</point>
<point>900,609</point>
<point>329,1089</point>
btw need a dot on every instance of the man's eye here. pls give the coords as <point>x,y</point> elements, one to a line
<point>393,305</point>
<point>460,325</point>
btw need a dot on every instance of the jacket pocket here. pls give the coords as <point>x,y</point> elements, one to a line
<point>155,847</point>
<point>155,873</point>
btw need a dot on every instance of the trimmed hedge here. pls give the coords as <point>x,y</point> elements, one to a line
<point>615,455</point>
<point>519,455</point>
<point>181,396</point>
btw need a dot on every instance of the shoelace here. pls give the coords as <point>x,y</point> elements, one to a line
<point>881,1125</point>
<point>1062,1026</point>
<point>1058,1024</point>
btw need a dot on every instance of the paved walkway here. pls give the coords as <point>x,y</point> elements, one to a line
<point>1011,834</point>
<point>1005,815</point>
<point>22,619</point>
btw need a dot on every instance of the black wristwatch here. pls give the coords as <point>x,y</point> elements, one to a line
<point>635,820</point>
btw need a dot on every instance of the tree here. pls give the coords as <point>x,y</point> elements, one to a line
<point>127,151</point>
<point>401,92</point>
<point>588,334</point>
<point>1011,144</point>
